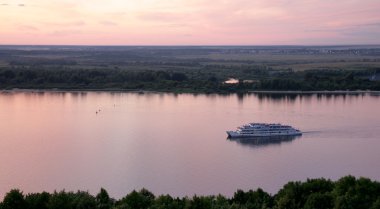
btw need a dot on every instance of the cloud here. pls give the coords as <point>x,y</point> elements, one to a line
<point>108,23</point>
<point>177,25</point>
<point>5,4</point>
<point>345,28</point>
<point>166,21</point>
<point>161,16</point>
<point>27,28</point>
<point>66,32</point>
<point>376,24</point>
<point>67,24</point>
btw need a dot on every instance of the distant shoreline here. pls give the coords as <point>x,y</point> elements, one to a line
<point>81,90</point>
<point>151,91</point>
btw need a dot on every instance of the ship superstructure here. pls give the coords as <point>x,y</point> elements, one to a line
<point>262,130</point>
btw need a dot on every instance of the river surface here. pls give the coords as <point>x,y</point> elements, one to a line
<point>176,144</point>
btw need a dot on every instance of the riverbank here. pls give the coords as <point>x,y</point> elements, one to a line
<point>150,91</point>
<point>184,81</point>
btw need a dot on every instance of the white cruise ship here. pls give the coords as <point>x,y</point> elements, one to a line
<point>263,130</point>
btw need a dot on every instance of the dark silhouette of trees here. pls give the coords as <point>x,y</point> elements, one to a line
<point>14,200</point>
<point>103,201</point>
<point>186,81</point>
<point>37,200</point>
<point>347,192</point>
<point>137,200</point>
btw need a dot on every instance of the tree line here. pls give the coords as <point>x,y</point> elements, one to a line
<point>346,193</point>
<point>185,81</point>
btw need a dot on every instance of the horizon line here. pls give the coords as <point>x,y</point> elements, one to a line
<point>191,45</point>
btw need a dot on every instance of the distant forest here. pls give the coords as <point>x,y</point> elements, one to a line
<point>174,81</point>
<point>346,193</point>
<point>190,69</point>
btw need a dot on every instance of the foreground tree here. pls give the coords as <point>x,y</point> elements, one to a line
<point>346,193</point>
<point>137,200</point>
<point>37,200</point>
<point>14,200</point>
<point>103,201</point>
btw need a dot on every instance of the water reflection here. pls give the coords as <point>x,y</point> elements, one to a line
<point>261,96</point>
<point>279,97</point>
<point>256,142</point>
<point>375,94</point>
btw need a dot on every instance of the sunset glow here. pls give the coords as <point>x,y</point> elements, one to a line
<point>189,22</point>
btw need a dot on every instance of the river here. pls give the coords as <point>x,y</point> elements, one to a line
<point>176,144</point>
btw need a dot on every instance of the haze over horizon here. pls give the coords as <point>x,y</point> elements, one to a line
<point>189,22</point>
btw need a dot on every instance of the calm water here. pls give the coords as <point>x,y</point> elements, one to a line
<point>177,144</point>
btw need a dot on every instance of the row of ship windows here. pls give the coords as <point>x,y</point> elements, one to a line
<point>284,129</point>
<point>255,132</point>
<point>259,129</point>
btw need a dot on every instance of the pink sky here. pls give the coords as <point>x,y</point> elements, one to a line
<point>190,22</point>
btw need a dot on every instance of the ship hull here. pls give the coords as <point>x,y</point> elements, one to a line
<point>234,134</point>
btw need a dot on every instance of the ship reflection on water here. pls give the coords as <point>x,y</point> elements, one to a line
<point>256,142</point>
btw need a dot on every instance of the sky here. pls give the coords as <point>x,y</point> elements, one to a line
<point>189,22</point>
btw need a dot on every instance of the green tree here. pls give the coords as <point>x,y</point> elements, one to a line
<point>319,201</point>
<point>83,200</point>
<point>376,204</point>
<point>14,200</point>
<point>200,202</point>
<point>37,200</point>
<point>103,201</point>
<point>289,197</point>
<point>355,193</point>
<point>163,202</point>
<point>137,200</point>
<point>61,200</point>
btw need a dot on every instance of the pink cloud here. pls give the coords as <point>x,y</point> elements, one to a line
<point>219,22</point>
